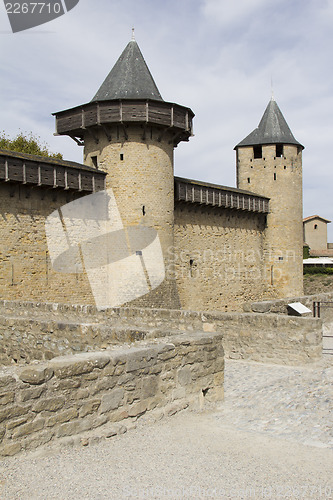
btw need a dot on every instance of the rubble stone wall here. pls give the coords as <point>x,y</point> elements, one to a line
<point>75,398</point>
<point>30,331</point>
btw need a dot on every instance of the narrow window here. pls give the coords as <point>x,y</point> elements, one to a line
<point>316,226</point>
<point>191,267</point>
<point>121,156</point>
<point>285,167</point>
<point>249,180</point>
<point>279,151</point>
<point>257,151</point>
<point>275,177</point>
<point>280,258</point>
<point>143,210</point>
<point>94,161</point>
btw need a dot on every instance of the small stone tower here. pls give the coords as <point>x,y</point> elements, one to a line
<point>130,132</point>
<point>269,163</point>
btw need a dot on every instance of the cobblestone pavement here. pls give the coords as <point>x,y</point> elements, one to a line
<point>270,438</point>
<point>293,403</point>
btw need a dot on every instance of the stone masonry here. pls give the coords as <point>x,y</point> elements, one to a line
<point>280,178</point>
<point>132,164</point>
<point>72,398</point>
<point>32,331</point>
<point>218,257</point>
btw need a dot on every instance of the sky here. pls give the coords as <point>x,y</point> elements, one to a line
<point>222,59</point>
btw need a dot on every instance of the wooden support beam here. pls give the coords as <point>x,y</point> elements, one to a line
<point>96,139</point>
<point>79,142</point>
<point>55,177</point>
<point>6,171</point>
<point>39,176</point>
<point>24,168</point>
<point>106,132</point>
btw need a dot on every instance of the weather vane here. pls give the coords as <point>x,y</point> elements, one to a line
<point>133,35</point>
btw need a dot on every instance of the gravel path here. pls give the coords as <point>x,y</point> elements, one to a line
<point>271,438</point>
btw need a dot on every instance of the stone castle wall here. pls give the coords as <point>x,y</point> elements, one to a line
<point>279,178</point>
<point>219,257</point>
<point>225,247</point>
<point>75,398</point>
<point>25,267</point>
<point>215,259</point>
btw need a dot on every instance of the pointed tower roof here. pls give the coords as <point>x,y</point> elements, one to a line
<point>272,129</point>
<point>129,78</point>
<point>128,95</point>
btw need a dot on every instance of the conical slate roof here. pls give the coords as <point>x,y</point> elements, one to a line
<point>272,129</point>
<point>129,78</point>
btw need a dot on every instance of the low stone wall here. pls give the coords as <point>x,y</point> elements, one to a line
<point>280,306</point>
<point>75,398</point>
<point>55,330</point>
<point>23,341</point>
<point>272,338</point>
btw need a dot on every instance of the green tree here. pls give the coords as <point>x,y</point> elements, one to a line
<point>27,143</point>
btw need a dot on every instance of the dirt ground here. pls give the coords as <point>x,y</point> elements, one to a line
<point>318,283</point>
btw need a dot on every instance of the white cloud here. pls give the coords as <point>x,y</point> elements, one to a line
<point>227,12</point>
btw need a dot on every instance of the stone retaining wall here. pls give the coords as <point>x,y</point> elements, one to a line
<point>55,329</point>
<point>272,338</point>
<point>76,397</point>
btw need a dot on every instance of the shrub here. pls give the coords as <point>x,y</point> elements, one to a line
<point>306,252</point>
<point>317,270</point>
<point>27,144</point>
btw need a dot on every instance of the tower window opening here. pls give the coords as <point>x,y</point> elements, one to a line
<point>316,226</point>
<point>121,156</point>
<point>275,177</point>
<point>257,152</point>
<point>143,210</point>
<point>191,267</point>
<point>279,151</point>
<point>285,167</point>
<point>249,180</point>
<point>94,161</point>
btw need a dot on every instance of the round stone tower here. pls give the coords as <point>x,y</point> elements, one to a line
<point>269,163</point>
<point>130,132</point>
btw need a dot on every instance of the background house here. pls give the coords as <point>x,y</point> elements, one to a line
<point>315,236</point>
